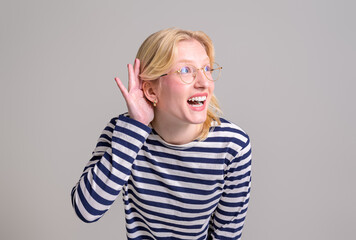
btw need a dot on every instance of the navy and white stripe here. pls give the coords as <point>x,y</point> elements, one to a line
<point>198,190</point>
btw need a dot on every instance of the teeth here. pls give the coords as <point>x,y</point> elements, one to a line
<point>197,99</point>
<point>198,104</point>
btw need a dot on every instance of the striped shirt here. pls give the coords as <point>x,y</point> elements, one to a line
<point>198,190</point>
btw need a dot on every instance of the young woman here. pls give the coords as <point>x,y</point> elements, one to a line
<point>184,172</point>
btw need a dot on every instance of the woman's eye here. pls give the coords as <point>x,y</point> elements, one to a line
<point>185,70</point>
<point>207,69</point>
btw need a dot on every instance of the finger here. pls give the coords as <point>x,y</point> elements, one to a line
<point>137,72</point>
<point>121,87</point>
<point>132,78</point>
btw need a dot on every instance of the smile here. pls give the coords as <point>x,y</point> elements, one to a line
<point>197,101</point>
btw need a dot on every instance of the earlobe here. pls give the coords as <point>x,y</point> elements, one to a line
<point>149,90</point>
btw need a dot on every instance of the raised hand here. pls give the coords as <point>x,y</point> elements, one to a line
<point>138,106</point>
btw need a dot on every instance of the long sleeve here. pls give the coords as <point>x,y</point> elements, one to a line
<point>229,216</point>
<point>109,168</point>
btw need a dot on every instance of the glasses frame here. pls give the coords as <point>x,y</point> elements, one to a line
<point>195,73</point>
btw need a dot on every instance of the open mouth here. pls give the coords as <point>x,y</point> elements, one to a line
<point>197,101</point>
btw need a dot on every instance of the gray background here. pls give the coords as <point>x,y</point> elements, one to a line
<point>288,80</point>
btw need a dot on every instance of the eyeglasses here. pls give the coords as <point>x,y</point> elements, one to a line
<point>188,72</point>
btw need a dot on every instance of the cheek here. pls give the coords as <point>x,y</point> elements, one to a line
<point>173,90</point>
<point>212,87</point>
<point>170,93</point>
<point>211,90</point>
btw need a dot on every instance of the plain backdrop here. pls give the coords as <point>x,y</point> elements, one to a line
<point>288,80</point>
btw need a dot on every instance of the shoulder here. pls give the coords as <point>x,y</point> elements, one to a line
<point>231,132</point>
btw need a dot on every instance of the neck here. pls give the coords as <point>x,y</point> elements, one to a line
<point>176,133</point>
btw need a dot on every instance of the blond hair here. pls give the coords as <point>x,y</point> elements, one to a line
<point>157,54</point>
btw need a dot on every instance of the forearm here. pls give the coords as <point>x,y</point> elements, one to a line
<point>109,168</point>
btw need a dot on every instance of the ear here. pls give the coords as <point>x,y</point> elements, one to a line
<point>149,88</point>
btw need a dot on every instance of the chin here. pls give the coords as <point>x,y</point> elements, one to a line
<point>198,119</point>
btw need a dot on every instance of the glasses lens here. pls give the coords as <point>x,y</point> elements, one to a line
<point>213,74</point>
<point>187,73</point>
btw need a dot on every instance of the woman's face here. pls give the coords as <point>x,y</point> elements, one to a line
<point>177,101</point>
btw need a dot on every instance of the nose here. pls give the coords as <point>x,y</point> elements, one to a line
<point>201,80</point>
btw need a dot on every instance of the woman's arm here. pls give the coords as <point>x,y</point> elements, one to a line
<point>229,216</point>
<point>109,168</point>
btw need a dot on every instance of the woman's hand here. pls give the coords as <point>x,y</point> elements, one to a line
<point>138,106</point>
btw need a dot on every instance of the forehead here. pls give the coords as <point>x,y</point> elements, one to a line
<point>191,51</point>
